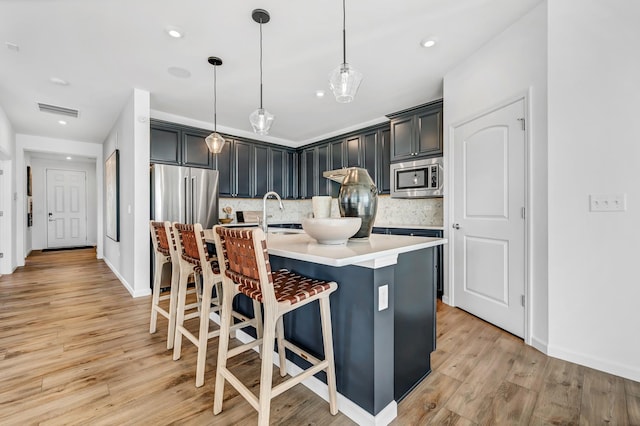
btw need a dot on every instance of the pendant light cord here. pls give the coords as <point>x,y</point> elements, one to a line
<point>215,101</point>
<point>261,64</point>
<point>344,33</point>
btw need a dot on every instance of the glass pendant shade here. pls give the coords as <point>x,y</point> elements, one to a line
<point>261,121</point>
<point>344,81</point>
<point>215,142</point>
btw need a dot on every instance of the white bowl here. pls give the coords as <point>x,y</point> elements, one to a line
<point>332,230</point>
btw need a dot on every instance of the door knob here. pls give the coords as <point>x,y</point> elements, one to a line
<point>456,226</point>
<point>50,217</point>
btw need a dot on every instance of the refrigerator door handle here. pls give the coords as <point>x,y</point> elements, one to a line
<point>193,199</point>
<point>186,210</point>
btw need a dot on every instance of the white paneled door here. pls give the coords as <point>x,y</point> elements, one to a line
<point>67,208</point>
<point>489,218</point>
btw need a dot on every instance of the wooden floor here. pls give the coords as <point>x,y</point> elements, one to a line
<point>75,348</point>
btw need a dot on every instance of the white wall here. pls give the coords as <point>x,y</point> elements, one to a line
<point>129,258</point>
<point>594,99</point>
<point>30,143</point>
<point>510,65</point>
<point>7,188</point>
<point>39,167</point>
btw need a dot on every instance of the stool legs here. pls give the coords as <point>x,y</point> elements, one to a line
<point>281,350</point>
<point>223,347</point>
<point>327,338</point>
<point>157,278</point>
<point>203,334</point>
<point>182,297</point>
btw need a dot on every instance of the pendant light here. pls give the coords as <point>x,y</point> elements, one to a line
<point>261,119</point>
<point>344,80</point>
<point>215,141</point>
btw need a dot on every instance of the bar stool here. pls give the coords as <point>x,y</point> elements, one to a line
<point>194,256</point>
<point>165,251</point>
<point>246,269</point>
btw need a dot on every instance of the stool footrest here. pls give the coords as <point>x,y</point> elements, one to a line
<point>243,348</point>
<point>301,353</point>
<point>277,390</point>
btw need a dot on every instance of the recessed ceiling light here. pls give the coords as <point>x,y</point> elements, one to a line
<point>179,72</point>
<point>68,158</point>
<point>58,81</point>
<point>174,32</point>
<point>429,41</point>
<point>319,93</point>
<point>62,122</point>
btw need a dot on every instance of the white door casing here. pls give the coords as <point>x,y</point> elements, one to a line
<point>66,208</point>
<point>488,217</point>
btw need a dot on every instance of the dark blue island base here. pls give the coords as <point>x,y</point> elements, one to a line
<point>380,355</point>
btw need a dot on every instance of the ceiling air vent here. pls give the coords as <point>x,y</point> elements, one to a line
<point>53,109</point>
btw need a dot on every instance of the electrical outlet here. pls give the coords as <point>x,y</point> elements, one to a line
<point>383,297</point>
<point>608,202</point>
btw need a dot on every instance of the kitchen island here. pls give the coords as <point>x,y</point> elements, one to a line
<point>383,316</point>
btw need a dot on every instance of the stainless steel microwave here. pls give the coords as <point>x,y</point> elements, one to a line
<point>417,179</point>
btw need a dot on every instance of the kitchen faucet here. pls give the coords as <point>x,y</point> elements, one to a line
<point>264,208</point>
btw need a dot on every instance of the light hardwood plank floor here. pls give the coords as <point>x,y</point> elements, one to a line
<point>75,349</point>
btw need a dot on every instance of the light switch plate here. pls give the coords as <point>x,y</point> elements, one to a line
<point>383,297</point>
<point>608,202</point>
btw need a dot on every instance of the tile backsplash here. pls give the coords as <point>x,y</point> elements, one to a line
<point>391,211</point>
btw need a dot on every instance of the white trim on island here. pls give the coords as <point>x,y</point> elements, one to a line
<point>375,252</point>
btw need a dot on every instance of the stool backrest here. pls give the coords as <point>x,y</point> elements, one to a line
<point>191,243</point>
<point>160,238</point>
<point>244,260</point>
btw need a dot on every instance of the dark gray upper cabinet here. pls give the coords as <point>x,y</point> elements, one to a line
<point>194,150</point>
<point>165,144</point>
<point>181,145</point>
<point>244,170</point>
<point>352,149</point>
<point>417,132</point>
<point>261,184</point>
<point>224,165</point>
<point>384,145</point>
<point>277,174</point>
<point>324,164</point>
<point>292,175</point>
<point>308,173</point>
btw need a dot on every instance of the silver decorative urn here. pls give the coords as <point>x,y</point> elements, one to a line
<point>358,197</point>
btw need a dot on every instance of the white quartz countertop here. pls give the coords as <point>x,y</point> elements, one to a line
<point>376,252</point>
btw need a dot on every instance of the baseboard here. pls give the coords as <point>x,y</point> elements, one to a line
<point>540,345</point>
<point>445,300</point>
<point>627,371</point>
<point>359,415</point>
<point>120,277</point>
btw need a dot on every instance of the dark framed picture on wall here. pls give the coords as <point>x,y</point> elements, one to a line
<point>29,182</point>
<point>112,202</point>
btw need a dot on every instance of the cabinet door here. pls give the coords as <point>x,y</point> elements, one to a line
<point>384,139</point>
<point>402,136</point>
<point>223,162</point>
<point>244,169</point>
<point>165,145</point>
<point>429,132</point>
<point>292,175</point>
<point>324,188</point>
<point>194,150</point>
<point>337,162</point>
<point>352,151</point>
<point>308,175</point>
<point>370,155</point>
<point>277,176</point>
<point>261,171</point>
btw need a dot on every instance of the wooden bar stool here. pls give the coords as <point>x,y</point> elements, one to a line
<point>165,251</point>
<point>246,269</point>
<point>194,256</point>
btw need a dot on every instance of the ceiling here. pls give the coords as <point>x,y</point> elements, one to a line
<point>105,49</point>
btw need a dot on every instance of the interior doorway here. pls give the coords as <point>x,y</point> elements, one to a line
<point>66,208</point>
<point>488,217</point>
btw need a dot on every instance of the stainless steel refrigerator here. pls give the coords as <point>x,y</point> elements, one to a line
<point>184,194</point>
